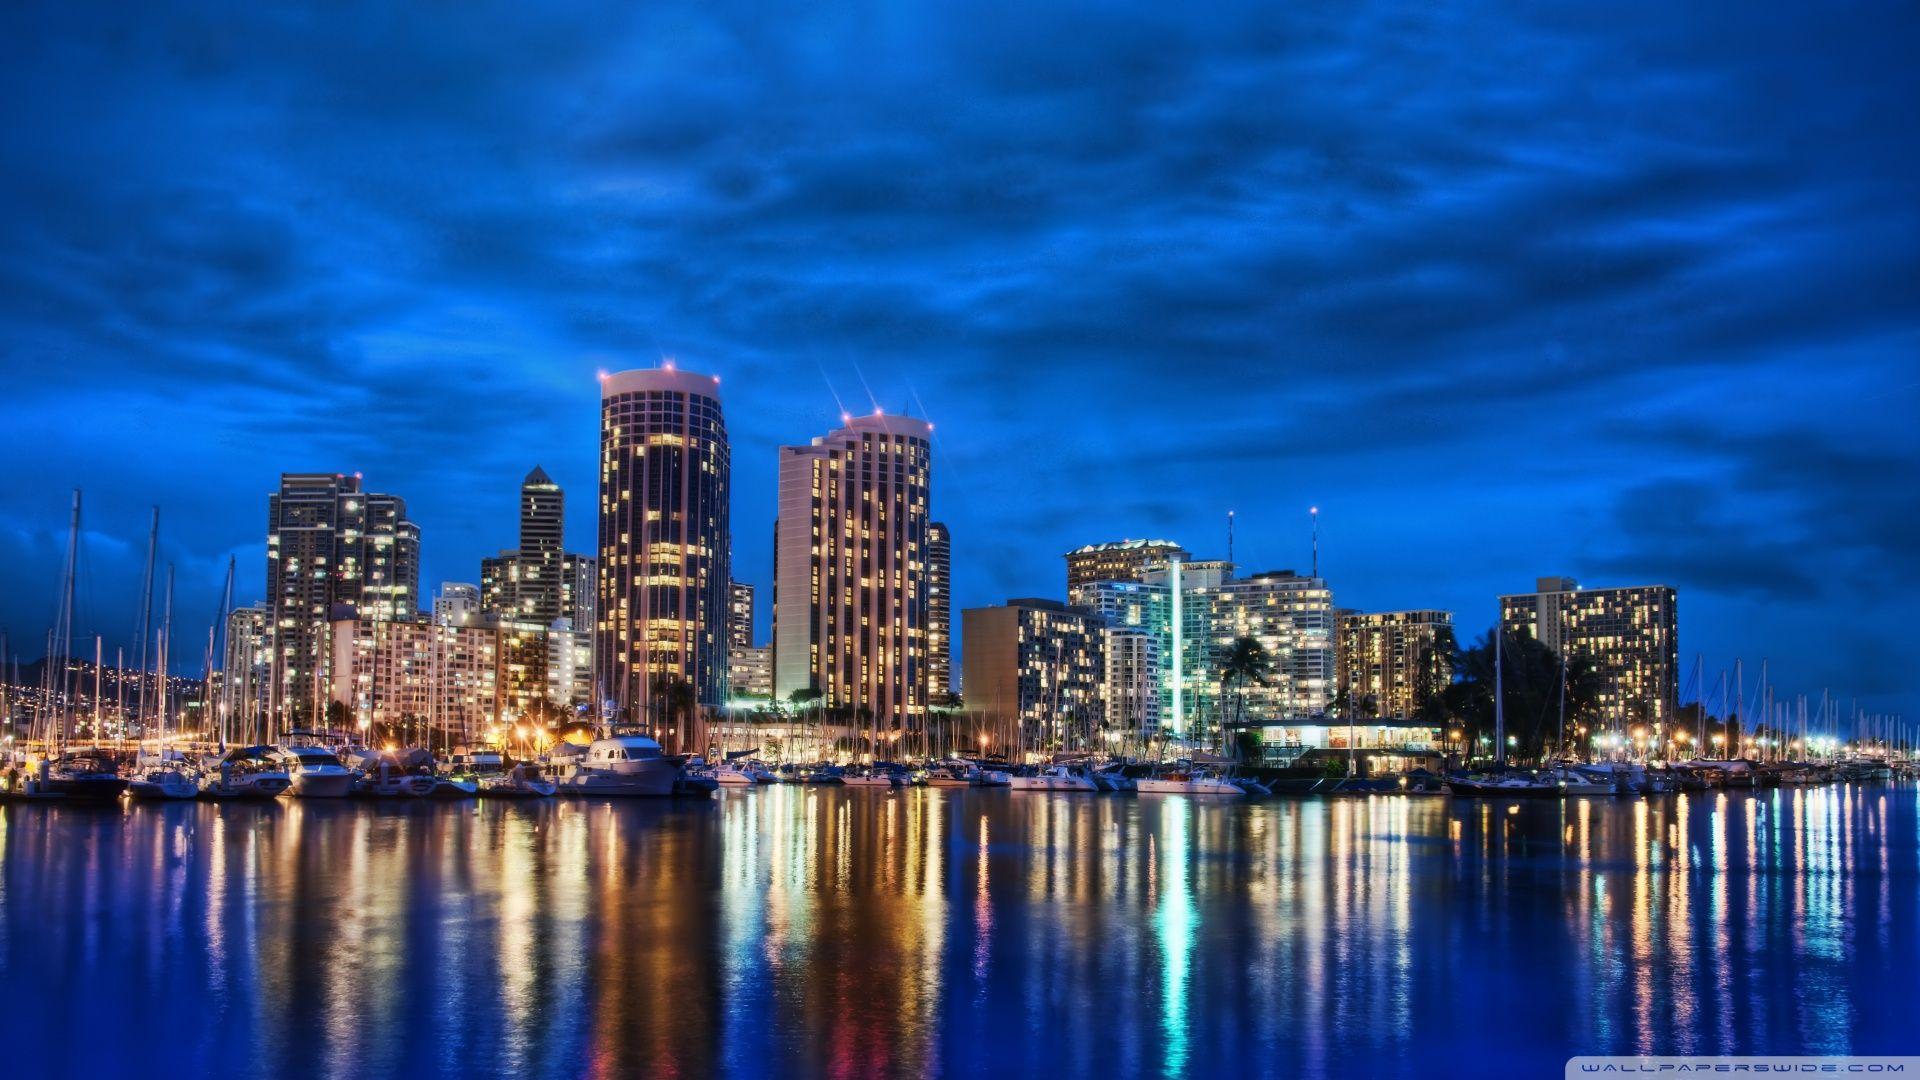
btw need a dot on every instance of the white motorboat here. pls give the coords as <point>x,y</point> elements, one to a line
<point>247,772</point>
<point>735,775</point>
<point>871,778</point>
<point>315,772</point>
<point>162,784</point>
<point>1575,782</point>
<point>523,781</point>
<point>1188,782</point>
<point>618,767</point>
<point>1055,778</point>
<point>385,776</point>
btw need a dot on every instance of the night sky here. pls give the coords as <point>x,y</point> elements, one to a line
<point>1624,291</point>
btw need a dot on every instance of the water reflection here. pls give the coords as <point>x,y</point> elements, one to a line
<point>807,931</point>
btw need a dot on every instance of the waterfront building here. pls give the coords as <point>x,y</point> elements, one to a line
<point>416,676</point>
<point>1143,606</point>
<point>1391,663</point>
<point>457,604</point>
<point>665,540</point>
<point>1290,615</point>
<point>329,542</point>
<point>1628,634</point>
<point>1035,673</point>
<point>1123,560</point>
<point>569,665</point>
<point>851,574</point>
<point>939,614</point>
<point>1134,682</point>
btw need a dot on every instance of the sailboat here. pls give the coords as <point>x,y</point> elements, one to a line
<point>162,777</point>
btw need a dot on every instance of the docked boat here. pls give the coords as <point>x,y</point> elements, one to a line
<point>1510,786</point>
<point>245,772</point>
<point>618,767</point>
<point>1055,778</point>
<point>949,776</point>
<point>162,777</point>
<point>1179,781</point>
<point>522,781</point>
<point>315,772</point>
<point>734,774</point>
<point>1575,782</point>
<point>80,776</point>
<point>392,775</point>
<point>868,778</point>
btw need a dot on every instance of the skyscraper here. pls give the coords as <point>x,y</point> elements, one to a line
<point>330,543</point>
<point>665,540</point>
<point>851,570</point>
<point>1628,634</point>
<point>531,583</point>
<point>939,614</point>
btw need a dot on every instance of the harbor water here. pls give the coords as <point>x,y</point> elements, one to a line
<point>809,931</point>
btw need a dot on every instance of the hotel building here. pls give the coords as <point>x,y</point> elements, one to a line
<point>1290,615</point>
<point>1124,560</point>
<point>665,539</point>
<point>246,671</point>
<point>851,575</point>
<point>1036,671</point>
<point>328,543</point>
<point>1134,681</point>
<point>1628,634</point>
<point>1396,660</point>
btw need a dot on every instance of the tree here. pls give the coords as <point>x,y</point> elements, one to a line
<point>1246,660</point>
<point>339,716</point>
<point>1533,678</point>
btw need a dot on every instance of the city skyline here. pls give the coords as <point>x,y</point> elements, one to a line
<point>1495,328</point>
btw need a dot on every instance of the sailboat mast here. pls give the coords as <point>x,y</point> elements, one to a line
<point>99,664</point>
<point>1499,701</point>
<point>166,643</point>
<point>65,624</point>
<point>146,606</point>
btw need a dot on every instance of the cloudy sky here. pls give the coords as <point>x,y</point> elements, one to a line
<point>1627,291</point>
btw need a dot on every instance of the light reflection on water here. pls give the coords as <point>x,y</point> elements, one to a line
<point>849,932</point>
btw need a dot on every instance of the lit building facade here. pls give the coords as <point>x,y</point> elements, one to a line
<point>328,543</point>
<point>246,672</point>
<point>851,575</point>
<point>1630,636</point>
<point>1134,682</point>
<point>416,675</point>
<point>1395,660</point>
<point>1123,560</point>
<point>739,615</point>
<point>752,672</point>
<point>539,581</point>
<point>1036,669</point>
<point>457,604</point>
<point>665,539</point>
<point>939,614</point>
<point>1290,615</point>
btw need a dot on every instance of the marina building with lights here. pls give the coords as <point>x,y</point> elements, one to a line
<point>1629,634</point>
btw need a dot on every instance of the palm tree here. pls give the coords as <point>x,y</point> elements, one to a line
<point>1246,659</point>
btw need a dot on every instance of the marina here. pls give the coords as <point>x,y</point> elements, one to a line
<point>818,930</point>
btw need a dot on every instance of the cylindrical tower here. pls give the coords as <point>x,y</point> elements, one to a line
<point>660,635</point>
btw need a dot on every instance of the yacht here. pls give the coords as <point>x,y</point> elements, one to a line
<point>246,772</point>
<point>873,778</point>
<point>1510,786</point>
<point>1573,781</point>
<point>734,774</point>
<point>78,776</point>
<point>387,776</point>
<point>315,772</point>
<point>620,766</point>
<point>523,781</point>
<point>1055,778</point>
<point>161,777</point>
<point>1187,782</point>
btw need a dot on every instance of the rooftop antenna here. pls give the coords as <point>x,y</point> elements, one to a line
<point>1314,513</point>
<point>1229,536</point>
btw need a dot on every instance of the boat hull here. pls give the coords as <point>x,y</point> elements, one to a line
<point>1188,787</point>
<point>628,783</point>
<point>1467,789</point>
<point>322,785</point>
